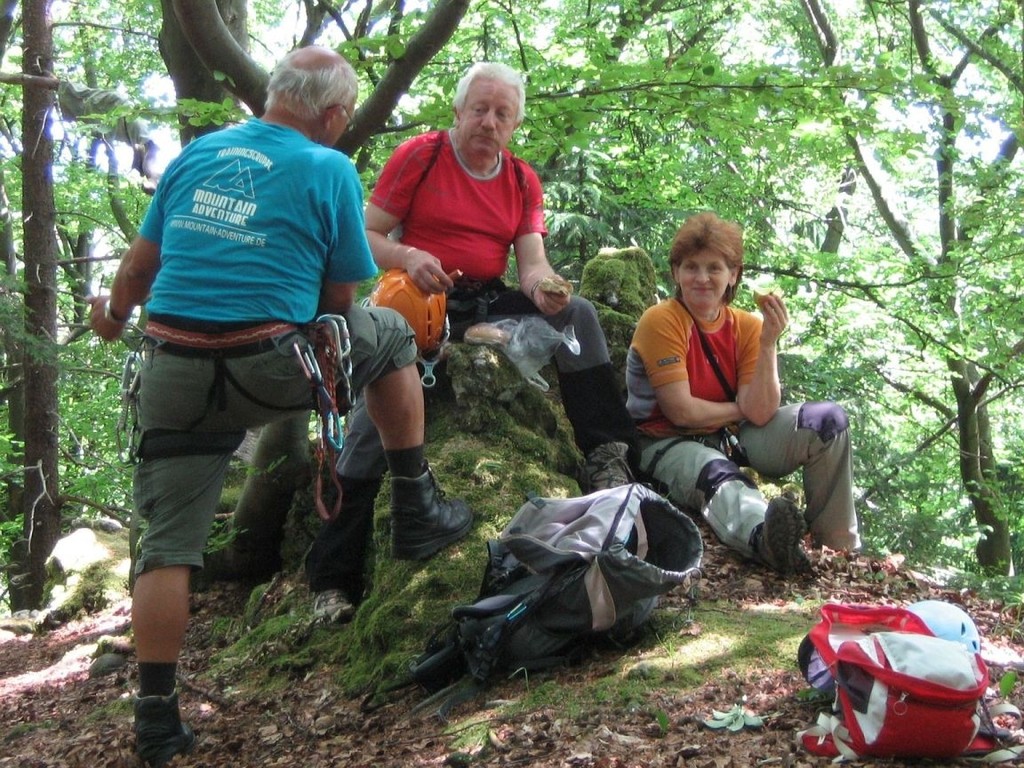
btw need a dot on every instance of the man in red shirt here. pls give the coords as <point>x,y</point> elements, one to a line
<point>458,200</point>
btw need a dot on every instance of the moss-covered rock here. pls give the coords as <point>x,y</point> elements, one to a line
<point>87,572</point>
<point>621,282</point>
<point>492,438</point>
<point>621,279</point>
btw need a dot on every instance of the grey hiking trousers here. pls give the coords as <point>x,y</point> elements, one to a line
<point>813,437</point>
<point>176,495</point>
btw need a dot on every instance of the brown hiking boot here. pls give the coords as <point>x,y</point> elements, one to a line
<point>780,544</point>
<point>607,467</point>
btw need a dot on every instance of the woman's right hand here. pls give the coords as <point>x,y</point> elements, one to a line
<point>776,318</point>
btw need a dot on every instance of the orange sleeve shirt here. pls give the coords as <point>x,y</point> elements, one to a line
<point>666,349</point>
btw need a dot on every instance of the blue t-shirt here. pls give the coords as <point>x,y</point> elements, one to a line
<point>251,221</point>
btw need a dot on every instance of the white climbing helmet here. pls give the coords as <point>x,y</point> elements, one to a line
<point>948,621</point>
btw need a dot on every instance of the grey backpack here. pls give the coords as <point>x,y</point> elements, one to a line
<point>562,572</point>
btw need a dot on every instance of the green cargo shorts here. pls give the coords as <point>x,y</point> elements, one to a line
<point>176,496</point>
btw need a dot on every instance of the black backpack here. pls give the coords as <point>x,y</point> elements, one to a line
<point>564,571</point>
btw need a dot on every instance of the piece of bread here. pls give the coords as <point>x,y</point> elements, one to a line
<point>486,333</point>
<point>555,285</point>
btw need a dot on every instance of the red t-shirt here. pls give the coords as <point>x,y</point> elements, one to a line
<point>467,223</point>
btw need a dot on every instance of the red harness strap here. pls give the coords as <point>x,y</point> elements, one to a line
<point>226,340</point>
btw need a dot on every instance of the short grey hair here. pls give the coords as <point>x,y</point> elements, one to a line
<point>489,70</point>
<point>312,84</point>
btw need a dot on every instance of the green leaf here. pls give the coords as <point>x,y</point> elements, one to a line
<point>663,722</point>
<point>752,721</point>
<point>1007,682</point>
<point>736,719</point>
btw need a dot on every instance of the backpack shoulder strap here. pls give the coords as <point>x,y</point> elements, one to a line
<point>709,353</point>
<point>993,744</point>
<point>517,166</point>
<point>484,653</point>
<point>431,161</point>
<point>447,699</point>
<point>442,137</point>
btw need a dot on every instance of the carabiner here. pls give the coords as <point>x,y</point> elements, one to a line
<point>332,432</point>
<point>337,328</point>
<point>428,379</point>
<point>302,360</point>
<point>127,430</point>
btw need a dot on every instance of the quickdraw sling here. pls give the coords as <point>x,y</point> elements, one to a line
<point>327,363</point>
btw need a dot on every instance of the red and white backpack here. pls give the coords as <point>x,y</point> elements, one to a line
<point>900,690</point>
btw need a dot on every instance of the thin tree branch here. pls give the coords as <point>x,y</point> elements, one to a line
<point>1010,72</point>
<point>106,27</point>
<point>931,402</point>
<point>120,514</point>
<point>40,81</point>
<point>374,113</point>
<point>899,229</point>
<point>824,34</point>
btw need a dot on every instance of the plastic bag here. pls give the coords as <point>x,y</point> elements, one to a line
<point>528,341</point>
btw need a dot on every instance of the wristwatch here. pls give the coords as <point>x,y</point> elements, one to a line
<point>111,315</point>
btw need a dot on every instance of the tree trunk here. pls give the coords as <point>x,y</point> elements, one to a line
<point>977,469</point>
<point>282,466</point>
<point>14,395</point>
<point>980,475</point>
<point>41,502</point>
<point>192,80</point>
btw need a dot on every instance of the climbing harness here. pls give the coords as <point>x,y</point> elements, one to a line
<point>327,363</point>
<point>325,359</point>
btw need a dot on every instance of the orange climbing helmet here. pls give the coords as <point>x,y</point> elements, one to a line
<point>426,313</point>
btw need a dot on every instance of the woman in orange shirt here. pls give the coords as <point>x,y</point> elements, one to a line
<point>703,384</point>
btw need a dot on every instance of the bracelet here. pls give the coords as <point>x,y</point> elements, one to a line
<point>109,314</point>
<point>534,289</point>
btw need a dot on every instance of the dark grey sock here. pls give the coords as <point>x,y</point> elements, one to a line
<point>156,678</point>
<point>406,462</point>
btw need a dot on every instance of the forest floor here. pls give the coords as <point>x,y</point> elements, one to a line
<point>56,714</point>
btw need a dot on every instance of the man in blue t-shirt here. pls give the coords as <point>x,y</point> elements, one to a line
<point>253,232</point>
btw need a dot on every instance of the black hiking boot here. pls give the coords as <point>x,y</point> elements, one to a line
<point>159,732</point>
<point>779,544</point>
<point>423,521</point>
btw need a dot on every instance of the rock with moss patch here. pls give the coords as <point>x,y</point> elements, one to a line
<point>86,572</point>
<point>621,279</point>
<point>622,283</point>
<point>107,664</point>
